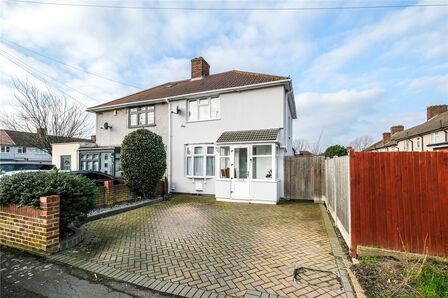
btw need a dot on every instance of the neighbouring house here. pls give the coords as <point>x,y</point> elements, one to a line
<point>431,135</point>
<point>226,134</point>
<point>18,150</point>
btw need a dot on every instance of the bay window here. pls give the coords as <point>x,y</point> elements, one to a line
<point>262,161</point>
<point>141,116</point>
<point>200,161</point>
<point>204,109</point>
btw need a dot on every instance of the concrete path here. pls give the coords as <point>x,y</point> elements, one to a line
<point>23,275</point>
<point>195,246</point>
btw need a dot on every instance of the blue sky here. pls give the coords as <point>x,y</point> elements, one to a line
<point>355,72</point>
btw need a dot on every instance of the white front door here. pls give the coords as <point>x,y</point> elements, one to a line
<point>240,173</point>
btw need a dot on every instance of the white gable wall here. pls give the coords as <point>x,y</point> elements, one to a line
<point>246,110</point>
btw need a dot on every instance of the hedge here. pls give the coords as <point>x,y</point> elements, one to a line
<point>77,193</point>
<point>143,161</point>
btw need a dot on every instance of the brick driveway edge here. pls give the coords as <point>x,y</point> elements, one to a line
<point>338,253</point>
<point>152,284</point>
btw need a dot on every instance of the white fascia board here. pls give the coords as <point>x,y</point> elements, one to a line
<point>286,82</point>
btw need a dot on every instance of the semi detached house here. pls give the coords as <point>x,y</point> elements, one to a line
<point>226,134</point>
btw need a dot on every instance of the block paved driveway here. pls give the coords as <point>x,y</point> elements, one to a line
<point>223,248</point>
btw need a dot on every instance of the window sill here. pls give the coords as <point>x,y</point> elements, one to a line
<point>142,126</point>
<point>205,120</point>
<point>200,177</point>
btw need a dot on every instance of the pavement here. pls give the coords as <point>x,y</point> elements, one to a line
<point>24,275</point>
<point>197,247</point>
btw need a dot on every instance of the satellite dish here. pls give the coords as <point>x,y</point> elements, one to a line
<point>106,125</point>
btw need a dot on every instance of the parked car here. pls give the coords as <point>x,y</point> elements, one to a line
<point>12,168</point>
<point>98,177</point>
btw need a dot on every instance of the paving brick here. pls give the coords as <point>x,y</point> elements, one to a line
<point>216,248</point>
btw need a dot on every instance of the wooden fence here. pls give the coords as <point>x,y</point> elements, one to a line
<point>390,200</point>
<point>337,193</point>
<point>399,201</point>
<point>304,177</point>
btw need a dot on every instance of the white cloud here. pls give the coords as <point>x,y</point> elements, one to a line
<point>401,24</point>
<point>426,82</point>
<point>333,114</point>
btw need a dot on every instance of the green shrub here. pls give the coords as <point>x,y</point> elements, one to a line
<point>77,193</point>
<point>143,161</point>
<point>335,150</point>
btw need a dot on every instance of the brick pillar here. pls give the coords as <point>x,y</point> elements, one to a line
<point>50,214</point>
<point>108,192</point>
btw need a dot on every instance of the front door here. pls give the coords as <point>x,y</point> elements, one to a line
<point>240,173</point>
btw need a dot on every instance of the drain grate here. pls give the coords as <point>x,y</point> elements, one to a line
<point>320,278</point>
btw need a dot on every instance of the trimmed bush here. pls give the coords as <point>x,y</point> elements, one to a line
<point>77,193</point>
<point>335,150</point>
<point>143,161</point>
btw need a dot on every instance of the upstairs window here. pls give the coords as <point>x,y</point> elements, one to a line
<point>435,137</point>
<point>406,145</point>
<point>204,109</point>
<point>21,150</point>
<point>5,148</point>
<point>142,116</point>
<point>200,161</point>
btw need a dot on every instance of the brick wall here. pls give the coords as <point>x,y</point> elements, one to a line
<point>110,193</point>
<point>31,229</point>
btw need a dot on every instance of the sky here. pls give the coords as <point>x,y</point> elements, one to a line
<point>355,72</point>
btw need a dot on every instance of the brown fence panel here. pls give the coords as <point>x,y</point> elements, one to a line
<point>304,177</point>
<point>399,201</point>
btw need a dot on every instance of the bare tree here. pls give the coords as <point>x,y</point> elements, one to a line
<point>300,145</point>
<point>316,146</point>
<point>361,143</point>
<point>48,114</point>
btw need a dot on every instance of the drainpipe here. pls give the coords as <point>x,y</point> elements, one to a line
<point>169,145</point>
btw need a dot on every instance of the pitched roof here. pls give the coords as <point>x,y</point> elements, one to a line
<point>22,138</point>
<point>229,79</point>
<point>259,135</point>
<point>437,122</point>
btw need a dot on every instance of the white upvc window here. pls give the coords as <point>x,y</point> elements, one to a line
<point>5,148</point>
<point>21,150</point>
<point>406,145</point>
<point>224,162</point>
<point>204,109</point>
<point>262,162</point>
<point>200,161</point>
<point>418,143</point>
<point>435,137</point>
<point>142,116</point>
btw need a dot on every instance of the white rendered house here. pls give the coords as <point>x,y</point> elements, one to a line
<point>226,134</point>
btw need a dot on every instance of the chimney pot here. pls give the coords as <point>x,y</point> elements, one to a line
<point>435,110</point>
<point>386,138</point>
<point>396,128</point>
<point>199,68</point>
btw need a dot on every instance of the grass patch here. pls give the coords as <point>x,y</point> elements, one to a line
<point>388,277</point>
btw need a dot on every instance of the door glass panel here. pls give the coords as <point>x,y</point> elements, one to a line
<point>240,171</point>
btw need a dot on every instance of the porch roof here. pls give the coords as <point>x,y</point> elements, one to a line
<point>247,136</point>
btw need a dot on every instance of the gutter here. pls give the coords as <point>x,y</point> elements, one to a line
<point>195,94</point>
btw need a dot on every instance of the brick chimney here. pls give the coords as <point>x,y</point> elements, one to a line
<point>396,128</point>
<point>93,138</point>
<point>386,137</point>
<point>432,111</point>
<point>199,68</point>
